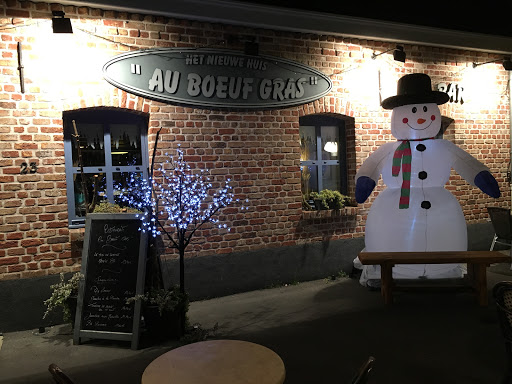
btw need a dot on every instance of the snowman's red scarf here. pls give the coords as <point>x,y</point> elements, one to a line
<point>403,156</point>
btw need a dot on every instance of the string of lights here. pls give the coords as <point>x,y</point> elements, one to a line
<point>178,197</point>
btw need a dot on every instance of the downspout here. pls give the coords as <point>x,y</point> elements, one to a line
<point>509,170</point>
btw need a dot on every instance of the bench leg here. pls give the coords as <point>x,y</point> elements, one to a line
<point>480,283</point>
<point>386,276</point>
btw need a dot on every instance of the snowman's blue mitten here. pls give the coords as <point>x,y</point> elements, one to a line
<point>364,186</point>
<point>488,184</point>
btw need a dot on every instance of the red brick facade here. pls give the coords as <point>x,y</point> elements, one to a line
<point>259,150</point>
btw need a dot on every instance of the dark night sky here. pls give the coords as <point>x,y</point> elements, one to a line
<point>452,14</point>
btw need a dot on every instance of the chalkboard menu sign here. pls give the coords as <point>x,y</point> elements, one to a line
<point>113,265</point>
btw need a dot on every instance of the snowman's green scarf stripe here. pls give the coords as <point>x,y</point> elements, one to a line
<point>403,157</point>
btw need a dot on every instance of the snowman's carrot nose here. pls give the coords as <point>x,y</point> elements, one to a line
<point>421,121</point>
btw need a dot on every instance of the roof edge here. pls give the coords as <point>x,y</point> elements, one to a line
<point>294,20</point>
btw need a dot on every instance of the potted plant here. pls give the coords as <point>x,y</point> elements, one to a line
<point>107,207</point>
<point>162,309</point>
<point>320,203</point>
<point>329,199</point>
<point>64,295</point>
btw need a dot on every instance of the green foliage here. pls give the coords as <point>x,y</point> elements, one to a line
<point>106,207</point>
<point>197,333</point>
<point>62,291</point>
<point>167,300</point>
<point>340,275</point>
<point>330,199</point>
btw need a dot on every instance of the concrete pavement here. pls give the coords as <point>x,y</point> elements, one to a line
<point>323,330</point>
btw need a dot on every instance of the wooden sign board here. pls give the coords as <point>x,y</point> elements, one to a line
<point>113,265</point>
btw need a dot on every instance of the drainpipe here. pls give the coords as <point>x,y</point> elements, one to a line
<point>509,170</point>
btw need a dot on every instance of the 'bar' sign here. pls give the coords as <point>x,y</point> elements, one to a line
<point>216,78</point>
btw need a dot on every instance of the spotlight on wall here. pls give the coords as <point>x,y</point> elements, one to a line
<point>61,24</point>
<point>507,64</point>
<point>251,48</point>
<point>486,62</point>
<point>398,53</point>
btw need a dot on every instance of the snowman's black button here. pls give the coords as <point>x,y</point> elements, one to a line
<point>422,175</point>
<point>426,204</point>
<point>421,147</point>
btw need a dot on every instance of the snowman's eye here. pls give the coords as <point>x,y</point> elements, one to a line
<point>425,108</point>
<point>414,109</point>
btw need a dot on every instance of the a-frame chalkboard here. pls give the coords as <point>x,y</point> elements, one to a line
<point>113,265</point>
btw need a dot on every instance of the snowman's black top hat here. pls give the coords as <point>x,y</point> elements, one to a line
<point>415,88</point>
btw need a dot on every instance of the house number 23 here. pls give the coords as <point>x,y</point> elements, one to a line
<point>31,168</point>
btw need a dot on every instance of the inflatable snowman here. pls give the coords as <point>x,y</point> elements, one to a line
<point>415,212</point>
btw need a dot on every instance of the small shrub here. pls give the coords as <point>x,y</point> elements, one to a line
<point>330,199</point>
<point>61,292</point>
<point>106,207</point>
<point>167,300</point>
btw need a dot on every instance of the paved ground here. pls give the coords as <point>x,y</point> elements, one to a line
<point>323,330</point>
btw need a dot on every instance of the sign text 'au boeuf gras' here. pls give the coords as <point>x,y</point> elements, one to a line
<point>216,78</point>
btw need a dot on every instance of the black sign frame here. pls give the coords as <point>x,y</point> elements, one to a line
<point>216,78</point>
<point>119,233</point>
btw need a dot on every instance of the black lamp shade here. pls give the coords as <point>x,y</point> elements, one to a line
<point>251,48</point>
<point>61,25</point>
<point>399,54</point>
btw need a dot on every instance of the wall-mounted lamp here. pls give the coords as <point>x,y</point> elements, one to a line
<point>61,24</point>
<point>507,64</point>
<point>398,54</point>
<point>251,48</point>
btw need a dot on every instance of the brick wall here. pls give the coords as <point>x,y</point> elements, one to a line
<point>258,150</point>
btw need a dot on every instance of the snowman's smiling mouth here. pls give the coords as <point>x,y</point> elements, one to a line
<point>419,129</point>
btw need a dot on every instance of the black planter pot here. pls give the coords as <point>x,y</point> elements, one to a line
<point>161,327</point>
<point>318,205</point>
<point>71,303</point>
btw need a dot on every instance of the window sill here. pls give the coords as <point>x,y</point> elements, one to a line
<point>326,213</point>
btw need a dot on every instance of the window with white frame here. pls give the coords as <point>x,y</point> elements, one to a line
<point>112,146</point>
<point>323,154</point>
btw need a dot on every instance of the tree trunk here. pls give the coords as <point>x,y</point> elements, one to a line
<point>183,315</point>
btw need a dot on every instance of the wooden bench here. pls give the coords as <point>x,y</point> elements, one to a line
<point>477,261</point>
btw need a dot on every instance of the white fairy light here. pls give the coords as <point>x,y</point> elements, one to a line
<point>182,199</point>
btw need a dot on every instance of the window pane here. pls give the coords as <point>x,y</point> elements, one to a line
<point>309,179</point>
<point>331,177</point>
<point>125,144</point>
<point>330,142</point>
<point>128,181</point>
<point>95,184</point>
<point>91,145</point>
<point>307,143</point>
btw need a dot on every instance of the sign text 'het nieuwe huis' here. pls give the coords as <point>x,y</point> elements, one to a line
<point>216,78</point>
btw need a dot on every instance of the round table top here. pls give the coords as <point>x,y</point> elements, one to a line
<point>216,362</point>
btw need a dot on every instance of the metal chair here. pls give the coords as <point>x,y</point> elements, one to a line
<point>361,376</point>
<point>58,375</point>
<point>502,224</point>
<point>502,293</point>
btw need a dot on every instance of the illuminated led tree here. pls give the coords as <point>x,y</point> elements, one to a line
<point>177,203</point>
